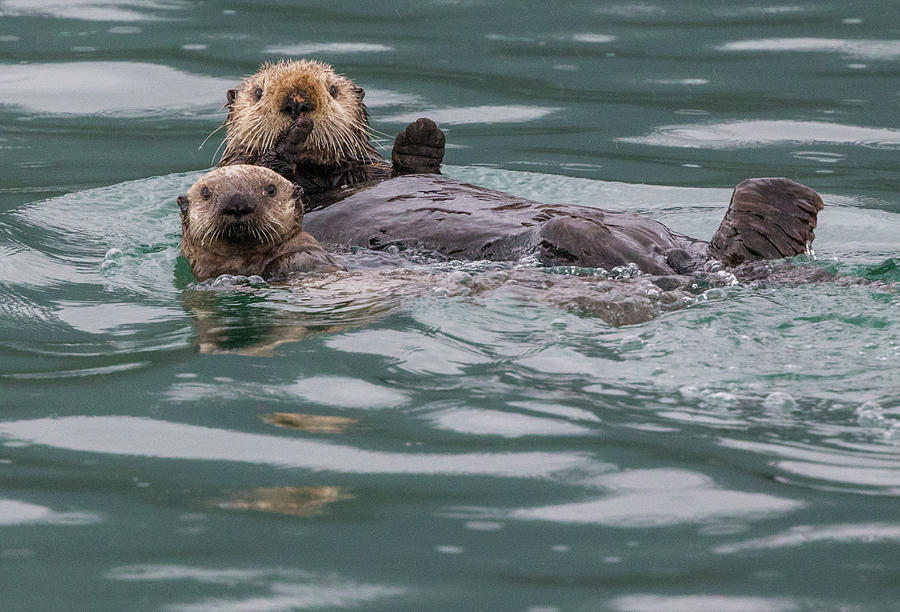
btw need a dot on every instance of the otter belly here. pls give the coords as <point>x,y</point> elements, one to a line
<point>462,221</point>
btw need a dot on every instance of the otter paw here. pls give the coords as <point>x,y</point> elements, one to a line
<point>419,149</point>
<point>293,143</point>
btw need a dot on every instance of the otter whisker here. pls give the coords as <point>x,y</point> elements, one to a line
<point>211,134</point>
<point>379,132</point>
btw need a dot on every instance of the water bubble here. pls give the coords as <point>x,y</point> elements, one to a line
<point>625,272</point>
<point>226,280</point>
<point>721,398</point>
<point>893,432</point>
<point>689,391</point>
<point>870,414</point>
<point>111,260</point>
<point>779,400</point>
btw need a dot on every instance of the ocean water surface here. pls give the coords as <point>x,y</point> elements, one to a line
<point>431,435</point>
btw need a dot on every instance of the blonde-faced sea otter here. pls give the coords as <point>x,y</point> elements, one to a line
<point>309,124</point>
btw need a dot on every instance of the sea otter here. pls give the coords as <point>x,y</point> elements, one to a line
<point>309,124</point>
<point>247,220</point>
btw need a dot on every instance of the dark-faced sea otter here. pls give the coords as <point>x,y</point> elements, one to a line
<point>309,124</point>
<point>247,220</point>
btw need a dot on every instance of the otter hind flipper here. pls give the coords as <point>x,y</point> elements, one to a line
<point>419,149</point>
<point>768,218</point>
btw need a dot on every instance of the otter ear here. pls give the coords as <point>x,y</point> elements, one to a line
<point>183,207</point>
<point>230,95</point>
<point>359,91</point>
<point>297,197</point>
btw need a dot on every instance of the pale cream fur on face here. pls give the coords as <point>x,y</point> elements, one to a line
<point>276,217</point>
<point>339,121</point>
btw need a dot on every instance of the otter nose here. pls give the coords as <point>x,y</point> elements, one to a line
<point>297,104</point>
<point>237,205</point>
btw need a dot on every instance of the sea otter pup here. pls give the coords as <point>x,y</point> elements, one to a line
<point>304,121</point>
<point>247,220</point>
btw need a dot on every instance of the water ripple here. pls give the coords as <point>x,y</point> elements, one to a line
<point>885,50</point>
<point>108,89</point>
<point>94,10</point>
<point>154,438</point>
<point>327,48</point>
<point>755,133</point>
<point>464,115</point>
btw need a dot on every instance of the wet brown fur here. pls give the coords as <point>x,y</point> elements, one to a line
<point>269,241</point>
<point>337,152</point>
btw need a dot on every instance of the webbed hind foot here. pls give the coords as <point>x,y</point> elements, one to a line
<point>768,218</point>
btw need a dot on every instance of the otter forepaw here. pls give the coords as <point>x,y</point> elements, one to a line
<point>282,158</point>
<point>293,143</point>
<point>419,149</point>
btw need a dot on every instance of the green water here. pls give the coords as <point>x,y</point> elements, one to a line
<point>742,453</point>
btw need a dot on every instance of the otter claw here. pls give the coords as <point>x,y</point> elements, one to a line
<point>419,149</point>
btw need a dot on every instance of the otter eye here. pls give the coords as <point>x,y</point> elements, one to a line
<point>258,93</point>
<point>333,91</point>
<point>205,192</point>
<point>270,190</point>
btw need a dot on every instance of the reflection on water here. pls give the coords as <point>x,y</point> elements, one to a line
<point>475,114</point>
<point>704,603</point>
<point>273,589</point>
<point>96,10</point>
<point>13,512</point>
<point>291,501</point>
<point>863,49</point>
<point>803,535</point>
<point>757,133</point>
<point>310,422</point>
<point>153,438</point>
<point>659,498</point>
<point>304,50</point>
<point>86,88</point>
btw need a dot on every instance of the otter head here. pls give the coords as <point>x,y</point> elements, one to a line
<point>235,219</point>
<point>267,104</point>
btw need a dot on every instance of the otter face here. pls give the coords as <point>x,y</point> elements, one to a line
<point>268,103</point>
<point>240,206</point>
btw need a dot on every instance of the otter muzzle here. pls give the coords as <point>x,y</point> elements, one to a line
<point>237,205</point>
<point>297,104</point>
